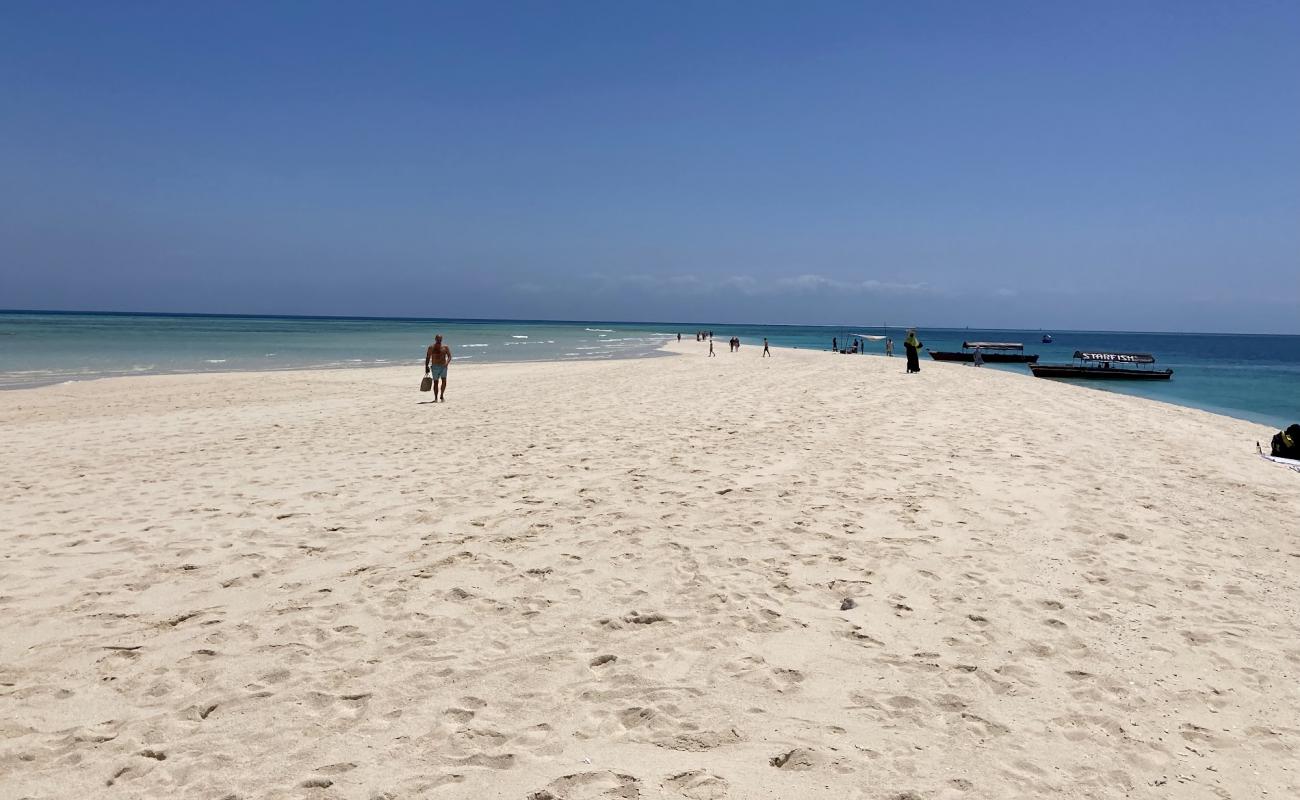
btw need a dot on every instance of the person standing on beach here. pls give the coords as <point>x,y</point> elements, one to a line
<point>835,345</point>
<point>711,353</point>
<point>978,360</point>
<point>913,347</point>
<point>436,360</point>
<point>766,352</point>
<point>889,348</point>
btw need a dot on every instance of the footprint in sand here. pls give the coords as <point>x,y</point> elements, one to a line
<point>798,759</point>
<point>460,715</point>
<point>635,717</point>
<point>697,785</point>
<point>503,761</point>
<point>602,785</point>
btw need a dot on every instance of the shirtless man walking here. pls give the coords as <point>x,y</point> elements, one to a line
<point>436,360</point>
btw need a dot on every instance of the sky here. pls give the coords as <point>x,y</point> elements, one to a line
<point>1120,166</point>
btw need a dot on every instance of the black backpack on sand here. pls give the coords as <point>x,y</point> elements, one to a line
<point>1286,444</point>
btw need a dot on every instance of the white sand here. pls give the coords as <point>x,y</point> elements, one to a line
<point>624,580</point>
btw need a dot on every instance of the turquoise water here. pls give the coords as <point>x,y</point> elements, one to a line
<point>1246,376</point>
<point>44,348</point>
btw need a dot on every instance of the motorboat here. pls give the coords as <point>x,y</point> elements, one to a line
<point>992,353</point>
<point>1105,366</point>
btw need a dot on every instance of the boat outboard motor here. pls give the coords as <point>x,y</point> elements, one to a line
<point>1286,444</point>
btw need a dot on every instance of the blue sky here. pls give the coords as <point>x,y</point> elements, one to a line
<point>1058,165</point>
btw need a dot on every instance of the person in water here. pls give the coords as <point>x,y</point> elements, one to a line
<point>436,360</point>
<point>913,347</point>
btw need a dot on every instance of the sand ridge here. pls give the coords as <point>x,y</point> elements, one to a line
<point>805,576</point>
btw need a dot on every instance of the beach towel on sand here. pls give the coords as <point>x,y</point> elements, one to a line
<point>1289,463</point>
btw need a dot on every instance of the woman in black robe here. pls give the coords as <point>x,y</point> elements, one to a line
<point>913,347</point>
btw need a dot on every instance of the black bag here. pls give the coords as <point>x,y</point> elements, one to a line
<point>1286,444</point>
<point>426,383</point>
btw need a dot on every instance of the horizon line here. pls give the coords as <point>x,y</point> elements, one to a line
<point>371,318</point>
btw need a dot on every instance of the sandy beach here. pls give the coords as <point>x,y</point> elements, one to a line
<point>810,576</point>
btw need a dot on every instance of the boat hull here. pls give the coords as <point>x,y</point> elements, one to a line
<point>1098,373</point>
<point>989,358</point>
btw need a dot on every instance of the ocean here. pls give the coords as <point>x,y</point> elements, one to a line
<point>1254,377</point>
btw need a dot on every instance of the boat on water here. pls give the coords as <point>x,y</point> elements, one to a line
<point>993,353</point>
<point>1105,366</point>
<point>1047,338</point>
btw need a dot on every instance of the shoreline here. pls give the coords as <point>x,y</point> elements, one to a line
<point>326,368</point>
<point>665,349</point>
<point>1249,378</point>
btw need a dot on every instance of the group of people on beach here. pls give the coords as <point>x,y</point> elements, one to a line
<point>859,346</point>
<point>850,350</point>
<point>437,357</point>
<point>911,345</point>
<point>733,344</point>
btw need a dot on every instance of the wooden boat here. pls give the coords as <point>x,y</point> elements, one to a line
<point>993,352</point>
<point>1106,367</point>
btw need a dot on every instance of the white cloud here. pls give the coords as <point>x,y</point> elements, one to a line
<point>805,283</point>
